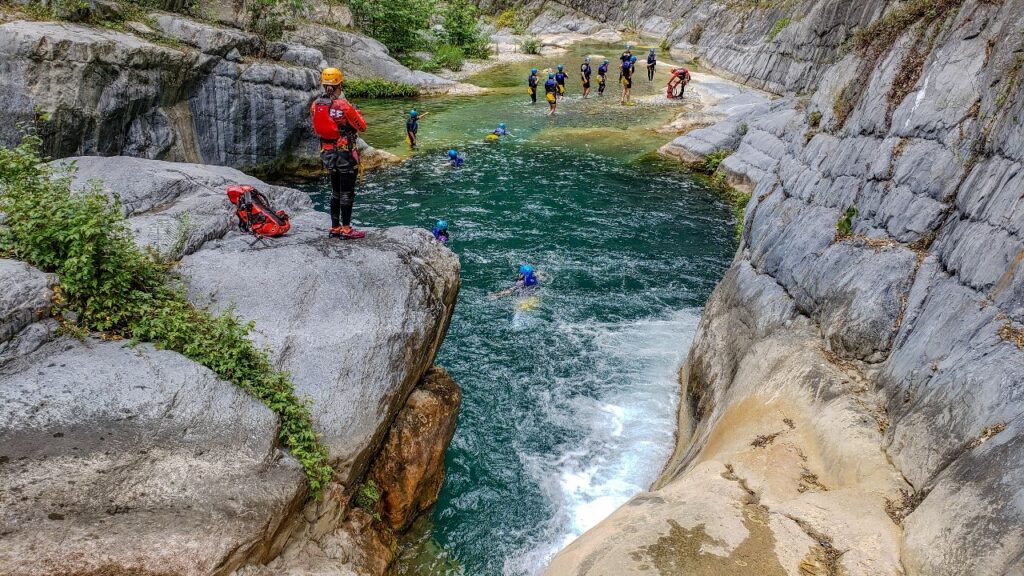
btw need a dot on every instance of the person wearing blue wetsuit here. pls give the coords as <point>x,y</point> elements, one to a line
<point>560,78</point>
<point>585,76</point>
<point>454,160</point>
<point>550,93</point>
<point>602,77</point>
<point>626,73</point>
<point>441,231</point>
<point>532,82</point>
<point>412,127</point>
<point>527,281</point>
<point>652,61</point>
<point>500,130</point>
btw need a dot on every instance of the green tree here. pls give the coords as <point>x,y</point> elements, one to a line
<point>462,29</point>
<point>399,24</point>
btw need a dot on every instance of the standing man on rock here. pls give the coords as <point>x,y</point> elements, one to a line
<point>338,123</point>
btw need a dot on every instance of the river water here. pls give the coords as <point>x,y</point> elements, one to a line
<point>569,400</point>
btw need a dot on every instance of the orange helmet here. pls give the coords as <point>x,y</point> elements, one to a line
<point>331,77</point>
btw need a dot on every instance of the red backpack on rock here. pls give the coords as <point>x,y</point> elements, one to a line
<point>255,214</point>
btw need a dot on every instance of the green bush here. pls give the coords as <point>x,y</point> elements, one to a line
<point>531,45</point>
<point>462,29</point>
<point>108,285</point>
<point>665,45</point>
<point>876,38</point>
<point>844,227</point>
<point>367,495</point>
<point>814,119</point>
<point>399,24</point>
<point>779,25</point>
<point>268,18</point>
<point>511,18</point>
<point>450,57</point>
<point>713,160</point>
<point>379,88</point>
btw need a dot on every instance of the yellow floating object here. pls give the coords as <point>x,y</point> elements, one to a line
<point>491,137</point>
<point>528,304</point>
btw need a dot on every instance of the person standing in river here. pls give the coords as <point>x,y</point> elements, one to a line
<point>338,124</point>
<point>624,59</point>
<point>585,76</point>
<point>652,61</point>
<point>602,77</point>
<point>560,78</point>
<point>551,93</point>
<point>412,127</point>
<point>531,84</point>
<point>626,74</point>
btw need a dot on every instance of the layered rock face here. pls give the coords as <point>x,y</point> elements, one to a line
<point>182,90</point>
<point>853,398</point>
<point>124,459</point>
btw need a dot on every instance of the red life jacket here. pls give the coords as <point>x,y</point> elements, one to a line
<point>332,129</point>
<point>255,214</point>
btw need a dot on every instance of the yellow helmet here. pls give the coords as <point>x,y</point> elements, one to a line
<point>331,77</point>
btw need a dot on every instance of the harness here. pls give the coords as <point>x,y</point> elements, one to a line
<point>327,127</point>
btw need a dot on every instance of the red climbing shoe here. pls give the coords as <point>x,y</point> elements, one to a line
<point>350,234</point>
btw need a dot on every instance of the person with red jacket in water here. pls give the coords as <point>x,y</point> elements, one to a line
<point>338,123</point>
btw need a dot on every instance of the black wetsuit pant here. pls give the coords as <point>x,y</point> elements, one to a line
<point>343,196</point>
<point>343,168</point>
<point>650,73</point>
<point>533,94</point>
<point>600,84</point>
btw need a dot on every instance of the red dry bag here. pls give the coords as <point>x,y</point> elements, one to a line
<point>255,214</point>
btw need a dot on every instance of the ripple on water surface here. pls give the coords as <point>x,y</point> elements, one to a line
<point>570,407</point>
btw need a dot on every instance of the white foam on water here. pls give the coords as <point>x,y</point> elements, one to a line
<point>628,425</point>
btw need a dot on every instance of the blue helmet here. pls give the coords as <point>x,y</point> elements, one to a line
<point>525,269</point>
<point>629,47</point>
<point>605,61</point>
<point>560,67</point>
<point>441,225</point>
<point>533,70</point>
<point>652,50</point>
<point>586,59</point>
<point>551,75</point>
<point>452,153</point>
<point>632,58</point>
<point>413,113</point>
<point>501,125</point>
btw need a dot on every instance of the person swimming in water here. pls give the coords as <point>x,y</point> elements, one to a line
<point>527,282</point>
<point>500,130</point>
<point>652,61</point>
<point>412,127</point>
<point>585,76</point>
<point>454,160</point>
<point>626,73</point>
<point>440,231</point>
<point>602,77</point>
<point>532,82</point>
<point>560,78</point>
<point>550,92</point>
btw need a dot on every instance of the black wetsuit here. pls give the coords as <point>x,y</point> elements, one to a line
<point>652,61</point>
<point>602,77</point>
<point>585,74</point>
<point>533,87</point>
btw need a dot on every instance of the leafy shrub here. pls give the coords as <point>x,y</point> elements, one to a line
<point>399,24</point>
<point>450,57</point>
<point>876,38</point>
<point>814,119</point>
<point>108,285</point>
<point>511,18</point>
<point>379,88</point>
<point>531,45</point>
<point>713,160</point>
<point>462,29</point>
<point>844,227</point>
<point>367,495</point>
<point>665,45</point>
<point>779,25</point>
<point>268,18</point>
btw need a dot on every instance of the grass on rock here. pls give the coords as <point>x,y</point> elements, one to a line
<point>108,285</point>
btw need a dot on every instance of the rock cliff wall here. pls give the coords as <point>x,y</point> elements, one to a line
<point>853,398</point>
<point>121,459</point>
<point>177,89</point>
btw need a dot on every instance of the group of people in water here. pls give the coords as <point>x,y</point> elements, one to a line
<point>555,85</point>
<point>338,123</point>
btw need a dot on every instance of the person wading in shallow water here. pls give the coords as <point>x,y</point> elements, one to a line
<point>585,72</point>
<point>602,77</point>
<point>338,123</point>
<point>531,84</point>
<point>550,93</point>
<point>652,62</point>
